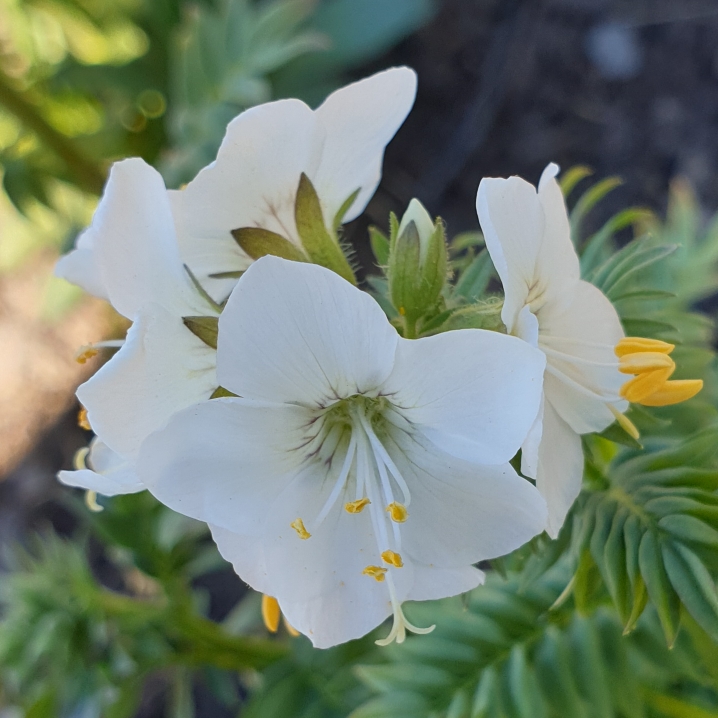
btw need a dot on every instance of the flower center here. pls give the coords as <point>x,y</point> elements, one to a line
<point>351,435</point>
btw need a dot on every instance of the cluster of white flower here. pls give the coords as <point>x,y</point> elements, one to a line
<point>342,468</point>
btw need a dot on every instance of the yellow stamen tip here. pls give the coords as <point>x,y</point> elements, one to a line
<point>270,613</point>
<point>645,384</point>
<point>402,311</point>
<point>392,558</point>
<point>290,629</point>
<point>91,502</point>
<point>673,392</point>
<point>356,507</point>
<point>397,512</point>
<point>378,573</point>
<point>82,420</point>
<point>298,526</point>
<point>632,345</point>
<point>79,460</point>
<point>625,423</point>
<point>641,362</point>
<point>86,353</point>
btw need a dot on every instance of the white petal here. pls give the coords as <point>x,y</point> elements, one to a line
<point>319,581</point>
<point>294,332</point>
<point>246,555</point>
<point>512,221</point>
<point>433,582</point>
<point>560,468</point>
<point>109,474</point>
<point>80,266</point>
<point>530,447</point>
<point>527,234</point>
<point>161,368</point>
<point>527,326</point>
<point>474,393</point>
<point>135,244</point>
<point>360,120</point>
<point>208,253</point>
<point>462,513</point>
<point>254,180</point>
<point>580,343</point>
<point>225,461</point>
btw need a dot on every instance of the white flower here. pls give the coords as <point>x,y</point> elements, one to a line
<point>162,366</point>
<point>358,469</point>
<point>547,304</point>
<point>253,183</point>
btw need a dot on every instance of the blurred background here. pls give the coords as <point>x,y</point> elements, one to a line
<point>625,87</point>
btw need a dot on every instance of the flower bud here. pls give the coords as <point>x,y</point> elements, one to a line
<point>417,263</point>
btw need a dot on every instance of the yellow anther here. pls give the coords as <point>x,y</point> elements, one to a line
<point>392,558</point>
<point>91,502</point>
<point>79,459</point>
<point>270,613</point>
<point>402,311</point>
<point>626,424</point>
<point>298,526</point>
<point>641,362</point>
<point>82,421</point>
<point>378,573</point>
<point>397,512</point>
<point>633,345</point>
<point>86,353</point>
<point>673,392</point>
<point>356,507</point>
<point>646,384</point>
<point>290,629</point>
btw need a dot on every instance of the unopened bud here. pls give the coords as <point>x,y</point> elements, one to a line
<point>417,263</point>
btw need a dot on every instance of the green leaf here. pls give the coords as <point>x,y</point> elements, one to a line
<point>588,201</point>
<point>689,529</point>
<point>659,588</point>
<point>258,242</point>
<point>393,705</point>
<point>379,246</point>
<point>205,328</point>
<point>474,280</point>
<point>320,246</point>
<point>572,177</point>
<point>693,584</point>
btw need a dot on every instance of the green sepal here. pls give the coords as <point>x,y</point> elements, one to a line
<point>205,328</point>
<point>348,202</point>
<point>379,246</point>
<point>221,393</point>
<point>320,246</point>
<point>258,242</point>
<point>404,271</point>
<point>227,275</point>
<point>202,291</point>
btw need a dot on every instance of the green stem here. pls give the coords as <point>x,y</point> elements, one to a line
<point>88,175</point>
<point>409,328</point>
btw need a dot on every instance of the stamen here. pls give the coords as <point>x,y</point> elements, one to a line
<point>91,502</point>
<point>561,376</point>
<point>339,484</point>
<point>632,345</point>
<point>298,526</point>
<point>293,632</point>
<point>378,573</point>
<point>85,354</point>
<point>572,358</point>
<point>397,512</point>
<point>673,392</point>
<point>356,507</point>
<point>79,460</point>
<point>642,386</point>
<point>392,558</point>
<point>626,424</point>
<point>270,613</point>
<point>641,362</point>
<point>82,420</point>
